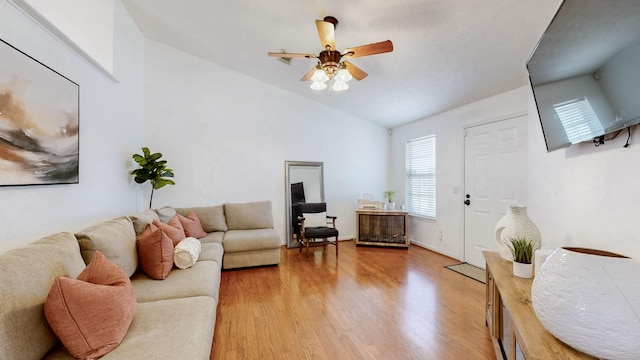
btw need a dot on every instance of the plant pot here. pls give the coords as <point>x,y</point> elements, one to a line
<point>522,270</point>
<point>390,205</point>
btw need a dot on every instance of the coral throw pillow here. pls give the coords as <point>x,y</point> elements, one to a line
<point>192,226</point>
<point>173,229</point>
<point>91,314</point>
<point>155,252</point>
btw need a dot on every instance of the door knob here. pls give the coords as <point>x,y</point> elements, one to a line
<point>467,202</point>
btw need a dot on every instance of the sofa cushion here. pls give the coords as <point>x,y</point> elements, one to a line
<point>211,217</point>
<point>165,214</point>
<point>249,258</point>
<point>192,226</point>
<point>91,314</point>
<point>116,239</point>
<point>187,253</point>
<point>155,252</point>
<point>173,229</point>
<point>252,215</point>
<point>245,240</point>
<point>214,237</point>
<point>184,332</point>
<point>142,220</point>
<point>29,272</point>
<point>202,279</point>
<point>212,252</point>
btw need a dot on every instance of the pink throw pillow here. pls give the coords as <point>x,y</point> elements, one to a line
<point>173,229</point>
<point>91,314</point>
<point>155,252</point>
<point>192,226</point>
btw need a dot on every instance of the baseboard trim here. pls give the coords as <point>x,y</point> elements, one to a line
<point>434,249</point>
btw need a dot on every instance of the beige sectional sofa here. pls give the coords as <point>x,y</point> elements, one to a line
<point>174,317</point>
<point>245,231</point>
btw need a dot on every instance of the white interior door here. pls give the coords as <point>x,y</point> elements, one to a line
<point>495,170</point>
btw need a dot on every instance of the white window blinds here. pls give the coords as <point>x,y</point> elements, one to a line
<point>421,176</point>
<point>579,120</point>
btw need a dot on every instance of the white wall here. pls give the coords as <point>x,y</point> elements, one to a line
<point>448,127</point>
<point>585,196</point>
<point>111,130</point>
<point>89,24</point>
<point>227,136</point>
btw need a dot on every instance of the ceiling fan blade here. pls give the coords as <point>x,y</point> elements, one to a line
<point>309,74</point>
<point>355,71</point>
<point>291,55</point>
<point>326,34</point>
<point>371,49</point>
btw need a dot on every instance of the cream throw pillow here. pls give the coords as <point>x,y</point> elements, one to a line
<point>315,219</point>
<point>186,253</point>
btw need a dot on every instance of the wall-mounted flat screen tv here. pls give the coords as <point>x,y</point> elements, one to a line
<point>585,71</point>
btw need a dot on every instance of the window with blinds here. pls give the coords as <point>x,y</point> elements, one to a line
<point>579,120</point>
<point>421,176</point>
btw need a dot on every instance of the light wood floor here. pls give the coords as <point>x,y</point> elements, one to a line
<point>372,303</point>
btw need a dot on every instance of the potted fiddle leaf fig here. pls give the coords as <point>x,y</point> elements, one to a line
<point>522,250</point>
<point>152,169</point>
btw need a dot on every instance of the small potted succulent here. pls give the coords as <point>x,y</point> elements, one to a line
<point>389,205</point>
<point>522,250</point>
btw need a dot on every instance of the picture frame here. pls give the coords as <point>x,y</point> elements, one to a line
<point>39,122</point>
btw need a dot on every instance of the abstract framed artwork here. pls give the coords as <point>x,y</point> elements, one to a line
<point>39,122</point>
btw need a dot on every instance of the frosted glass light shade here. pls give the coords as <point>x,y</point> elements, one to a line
<point>590,302</point>
<point>343,75</point>
<point>319,76</point>
<point>318,85</point>
<point>340,86</point>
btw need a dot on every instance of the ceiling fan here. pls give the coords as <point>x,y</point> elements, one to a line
<point>331,63</point>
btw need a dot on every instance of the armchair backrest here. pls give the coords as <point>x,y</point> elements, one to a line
<point>312,208</point>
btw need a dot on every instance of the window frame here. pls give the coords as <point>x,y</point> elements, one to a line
<point>424,203</point>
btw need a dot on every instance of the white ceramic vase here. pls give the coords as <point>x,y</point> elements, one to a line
<point>590,302</point>
<point>515,223</point>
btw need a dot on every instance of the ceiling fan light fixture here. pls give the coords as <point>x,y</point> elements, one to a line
<point>343,75</point>
<point>318,85</point>
<point>340,86</point>
<point>319,76</point>
<point>331,67</point>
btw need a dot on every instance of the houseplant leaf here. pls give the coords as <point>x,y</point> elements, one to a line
<point>152,169</point>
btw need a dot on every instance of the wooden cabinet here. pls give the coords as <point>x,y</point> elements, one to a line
<point>382,228</point>
<point>514,328</point>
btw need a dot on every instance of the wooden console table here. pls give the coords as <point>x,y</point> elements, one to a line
<point>513,325</point>
<point>382,228</point>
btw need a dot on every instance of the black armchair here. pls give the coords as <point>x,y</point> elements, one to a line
<point>316,228</point>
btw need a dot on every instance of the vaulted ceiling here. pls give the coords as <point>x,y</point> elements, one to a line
<point>446,53</point>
